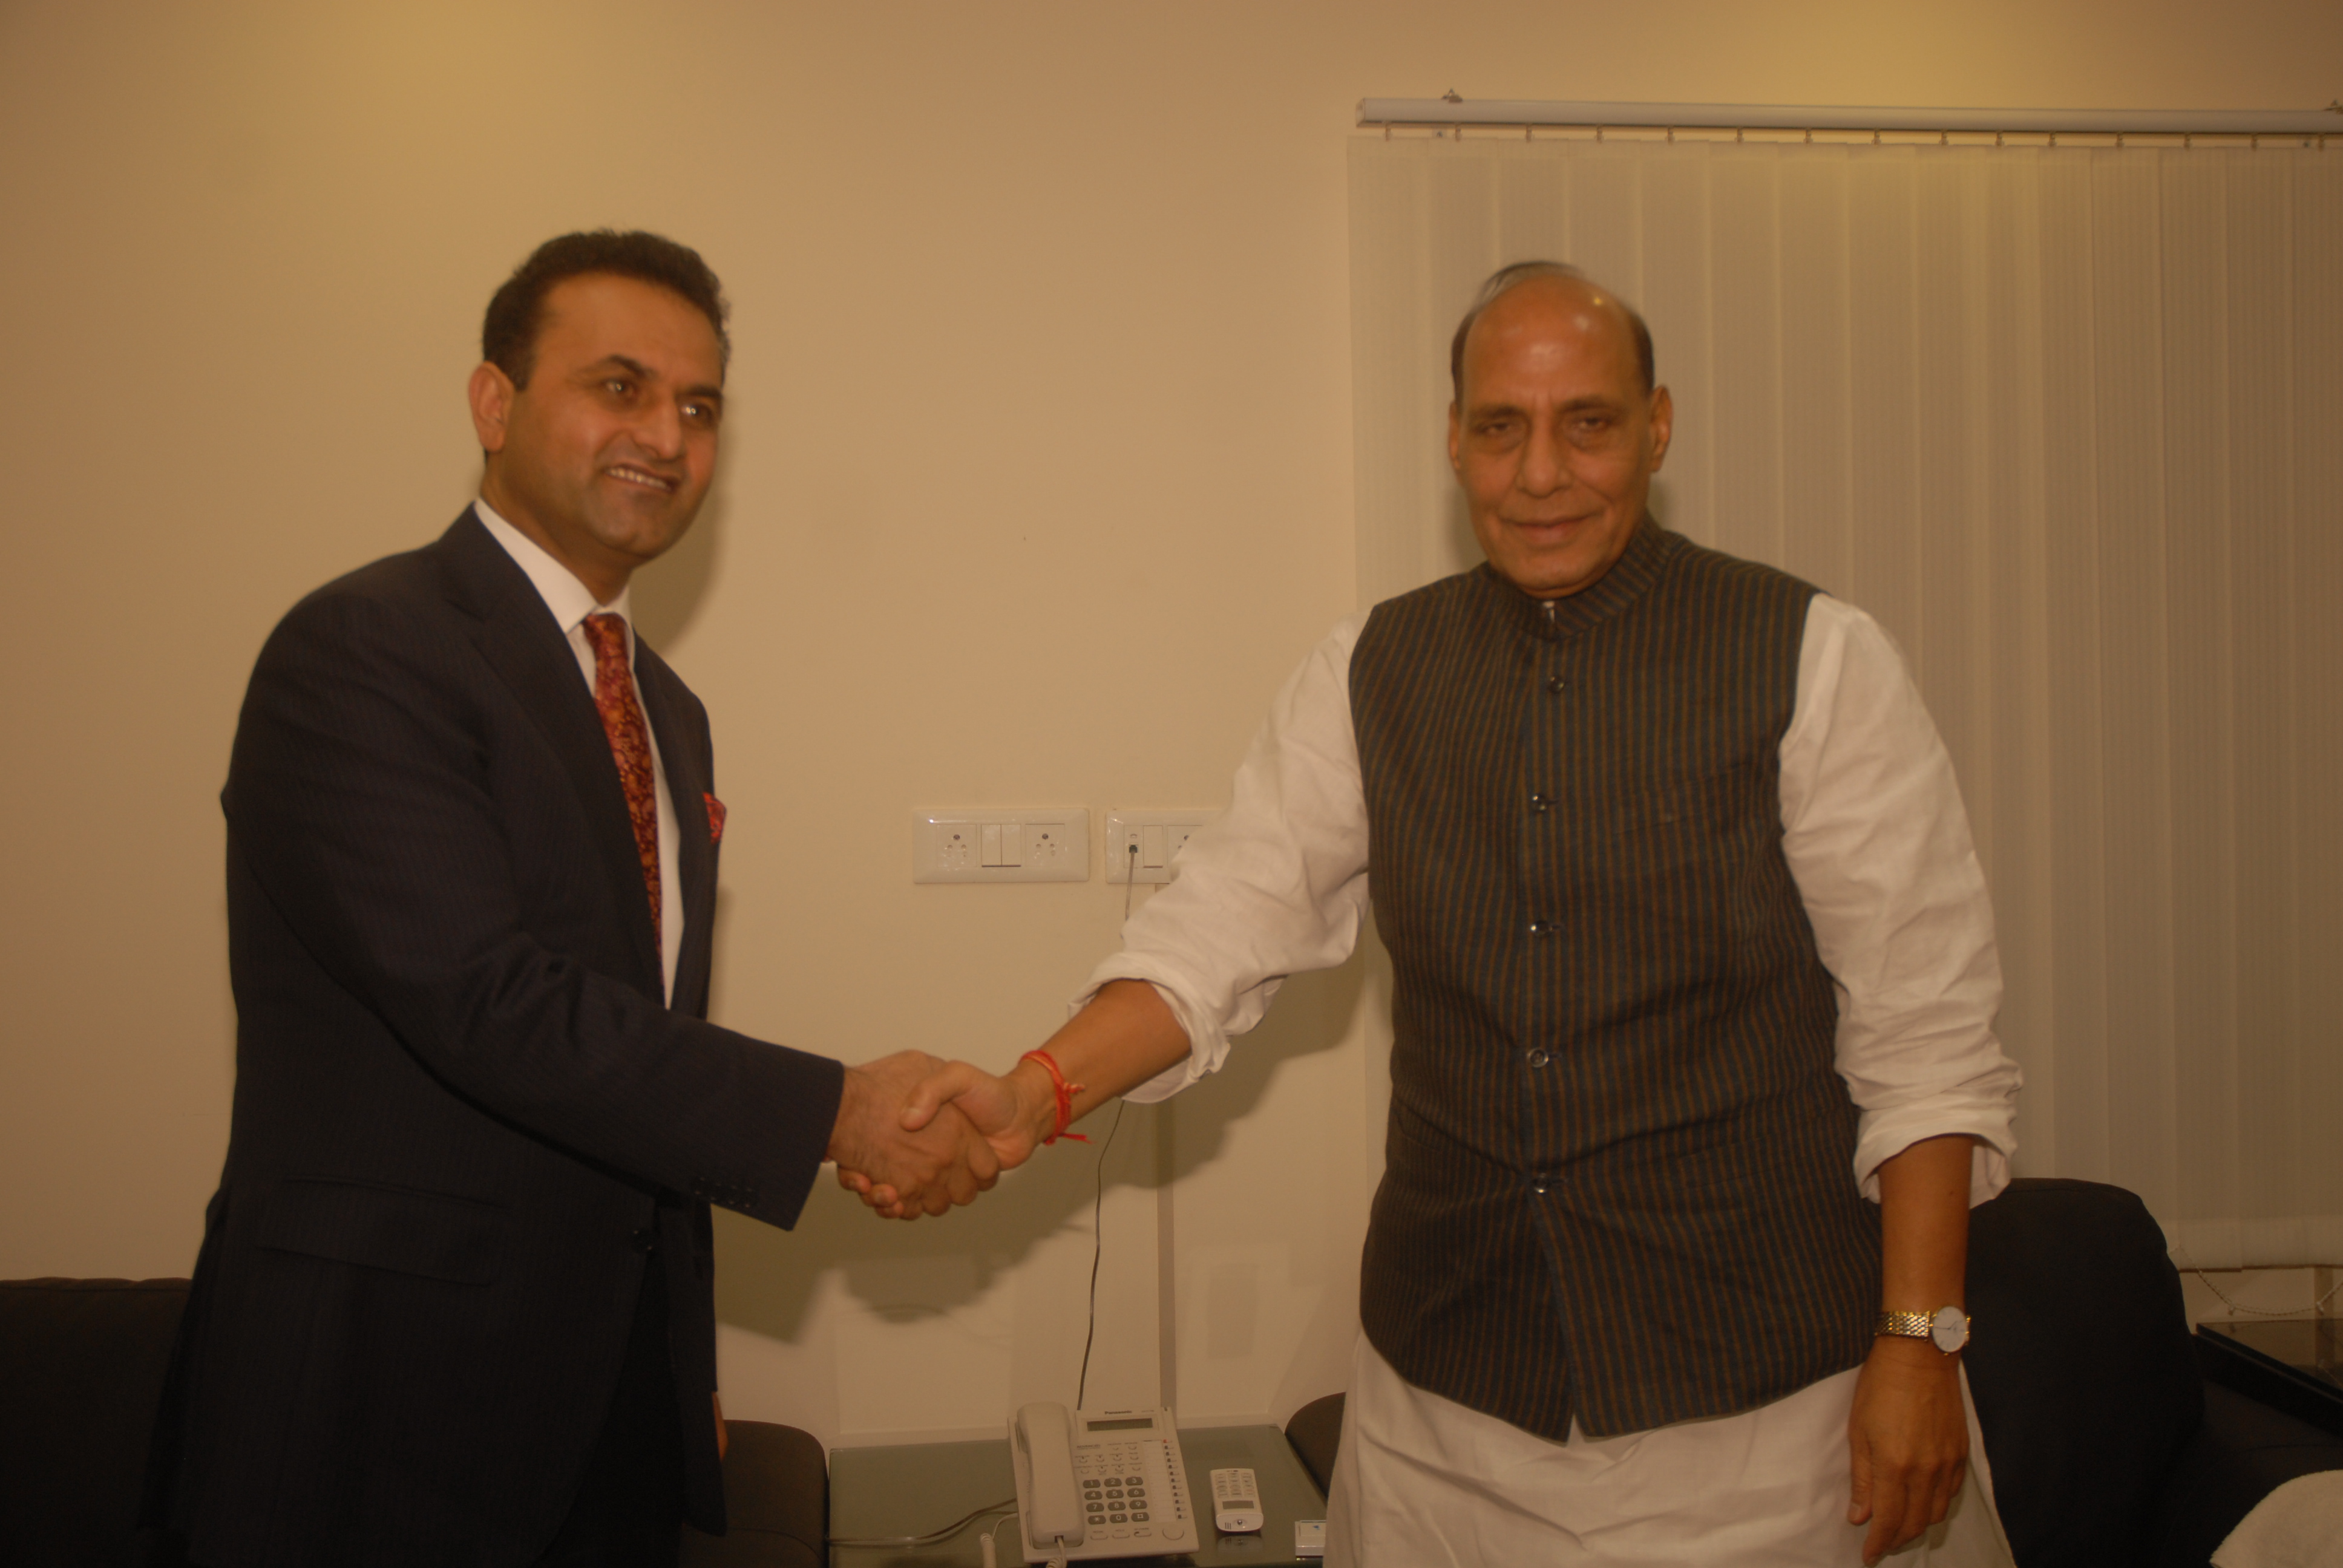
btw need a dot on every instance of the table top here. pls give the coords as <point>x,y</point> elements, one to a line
<point>2312,1346</point>
<point>917,1488</point>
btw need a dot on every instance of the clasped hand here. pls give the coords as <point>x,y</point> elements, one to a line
<point>917,1134</point>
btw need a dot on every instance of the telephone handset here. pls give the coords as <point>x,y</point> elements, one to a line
<point>1094,1484</point>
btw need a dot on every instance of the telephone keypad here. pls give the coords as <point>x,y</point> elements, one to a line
<point>1115,1497</point>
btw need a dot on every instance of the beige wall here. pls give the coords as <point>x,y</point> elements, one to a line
<point>1037,481</point>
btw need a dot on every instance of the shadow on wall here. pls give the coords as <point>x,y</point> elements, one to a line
<point>668,596</point>
<point>765,1278</point>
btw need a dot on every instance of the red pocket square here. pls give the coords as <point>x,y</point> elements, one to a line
<point>715,818</point>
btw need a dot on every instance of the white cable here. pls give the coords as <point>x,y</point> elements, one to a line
<point>2262,1311</point>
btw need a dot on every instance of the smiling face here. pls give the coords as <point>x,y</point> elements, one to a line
<point>1557,439</point>
<point>604,458</point>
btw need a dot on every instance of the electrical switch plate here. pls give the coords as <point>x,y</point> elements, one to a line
<point>1158,836</point>
<point>1001,844</point>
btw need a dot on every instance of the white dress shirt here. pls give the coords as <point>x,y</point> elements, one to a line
<point>571,601</point>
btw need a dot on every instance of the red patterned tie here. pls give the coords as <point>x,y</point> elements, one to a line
<point>630,745</point>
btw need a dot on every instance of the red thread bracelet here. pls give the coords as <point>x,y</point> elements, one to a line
<point>1066,1092</point>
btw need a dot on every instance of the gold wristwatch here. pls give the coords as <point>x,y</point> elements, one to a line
<point>1948,1327</point>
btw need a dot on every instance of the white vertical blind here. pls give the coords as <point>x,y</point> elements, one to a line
<point>2069,422</point>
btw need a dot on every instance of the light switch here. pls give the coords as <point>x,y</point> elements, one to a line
<point>1012,843</point>
<point>992,843</point>
<point>1151,847</point>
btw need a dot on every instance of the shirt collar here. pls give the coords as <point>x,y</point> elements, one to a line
<point>1649,551</point>
<point>571,601</point>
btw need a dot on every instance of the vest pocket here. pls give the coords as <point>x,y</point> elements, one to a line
<point>434,1235</point>
<point>1683,803</point>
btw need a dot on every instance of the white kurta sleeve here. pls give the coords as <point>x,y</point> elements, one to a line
<point>1275,885</point>
<point>1875,835</point>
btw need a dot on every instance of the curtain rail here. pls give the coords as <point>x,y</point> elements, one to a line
<point>1524,113</point>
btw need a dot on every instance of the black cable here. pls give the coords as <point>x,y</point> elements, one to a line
<point>1098,1205</point>
<point>1098,1246</point>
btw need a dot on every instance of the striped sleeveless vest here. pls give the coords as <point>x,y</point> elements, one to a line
<point>1618,1179</point>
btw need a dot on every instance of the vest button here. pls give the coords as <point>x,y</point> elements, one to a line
<point>1539,1058</point>
<point>1538,1186</point>
<point>1541,927</point>
<point>1555,683</point>
<point>1538,803</point>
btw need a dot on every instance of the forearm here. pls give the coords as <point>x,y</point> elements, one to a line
<point>1924,1225</point>
<point>1125,1036</point>
<point>1907,1435</point>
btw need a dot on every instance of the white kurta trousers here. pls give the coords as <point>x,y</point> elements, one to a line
<point>1424,1481</point>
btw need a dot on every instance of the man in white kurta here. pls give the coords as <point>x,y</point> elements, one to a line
<point>1873,830</point>
<point>1556,430</point>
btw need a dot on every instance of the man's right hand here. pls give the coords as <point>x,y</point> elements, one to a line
<point>1125,1035</point>
<point>926,1169</point>
<point>1012,1124</point>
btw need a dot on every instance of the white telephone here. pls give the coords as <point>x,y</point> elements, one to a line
<point>1094,1484</point>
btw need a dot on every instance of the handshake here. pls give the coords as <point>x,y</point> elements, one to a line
<point>919,1135</point>
<point>916,1135</point>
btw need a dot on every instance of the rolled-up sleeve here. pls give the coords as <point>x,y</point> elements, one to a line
<point>1273,886</point>
<point>1876,834</point>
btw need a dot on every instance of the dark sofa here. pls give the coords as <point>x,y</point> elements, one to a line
<point>81,1371</point>
<point>2116,1436</point>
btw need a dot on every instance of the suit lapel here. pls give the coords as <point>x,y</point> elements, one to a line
<point>521,642</point>
<point>682,744</point>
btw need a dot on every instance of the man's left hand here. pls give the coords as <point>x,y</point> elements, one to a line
<point>1907,1443</point>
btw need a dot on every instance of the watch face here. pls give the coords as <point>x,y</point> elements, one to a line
<point>1950,1329</point>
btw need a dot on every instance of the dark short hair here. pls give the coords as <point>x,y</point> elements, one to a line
<point>1503,281</point>
<point>508,334</point>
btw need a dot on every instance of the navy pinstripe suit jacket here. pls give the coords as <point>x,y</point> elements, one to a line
<point>465,1123</point>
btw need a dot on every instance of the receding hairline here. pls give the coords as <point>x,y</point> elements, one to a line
<point>548,308</point>
<point>509,328</point>
<point>1520,274</point>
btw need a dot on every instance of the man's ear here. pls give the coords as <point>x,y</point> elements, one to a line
<point>491,393</point>
<point>1455,439</point>
<point>1664,423</point>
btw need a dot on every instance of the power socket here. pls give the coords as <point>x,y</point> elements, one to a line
<point>1158,836</point>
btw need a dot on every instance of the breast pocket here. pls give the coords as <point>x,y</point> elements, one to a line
<point>1680,820</point>
<point>1669,886</point>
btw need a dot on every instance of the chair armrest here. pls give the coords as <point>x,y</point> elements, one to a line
<point>1316,1433</point>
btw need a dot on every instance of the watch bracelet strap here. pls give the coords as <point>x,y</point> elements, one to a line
<point>1905,1326</point>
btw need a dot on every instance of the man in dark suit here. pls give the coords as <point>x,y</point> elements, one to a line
<point>454,1304</point>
